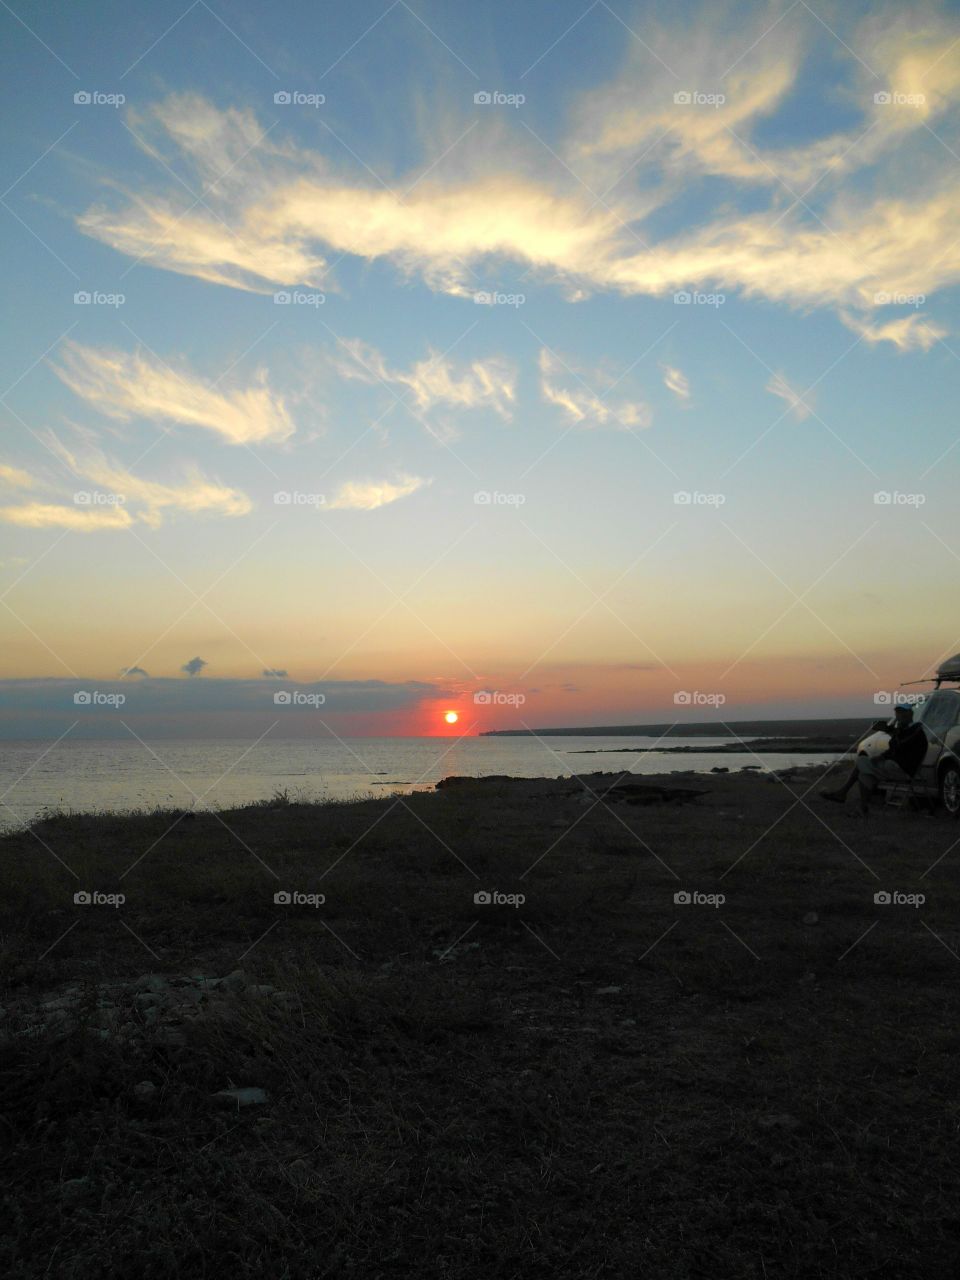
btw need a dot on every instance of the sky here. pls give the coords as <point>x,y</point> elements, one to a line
<point>553,364</point>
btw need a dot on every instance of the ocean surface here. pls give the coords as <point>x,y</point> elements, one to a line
<point>94,775</point>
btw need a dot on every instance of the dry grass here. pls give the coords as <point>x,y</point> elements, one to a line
<point>755,1099</point>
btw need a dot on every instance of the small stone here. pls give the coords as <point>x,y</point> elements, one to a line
<point>811,918</point>
<point>147,999</point>
<point>261,989</point>
<point>150,982</point>
<point>286,998</point>
<point>171,1037</point>
<point>249,1097</point>
<point>75,1189</point>
<point>62,1002</point>
<point>145,1090</point>
<point>783,1121</point>
<point>236,981</point>
<point>609,991</point>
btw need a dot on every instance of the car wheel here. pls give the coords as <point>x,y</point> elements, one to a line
<point>950,789</point>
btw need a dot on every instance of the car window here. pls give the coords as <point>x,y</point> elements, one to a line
<point>940,713</point>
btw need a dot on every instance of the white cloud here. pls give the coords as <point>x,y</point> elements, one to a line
<point>436,381</point>
<point>676,381</point>
<point>779,386</point>
<point>196,494</point>
<point>563,386</point>
<point>914,332</point>
<point>368,495</point>
<point>504,197</point>
<point>15,476</point>
<point>125,386</point>
<point>40,515</point>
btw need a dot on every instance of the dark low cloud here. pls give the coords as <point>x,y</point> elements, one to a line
<point>184,707</point>
<point>274,673</point>
<point>194,666</point>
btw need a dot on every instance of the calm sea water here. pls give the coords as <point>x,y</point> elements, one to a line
<point>118,776</point>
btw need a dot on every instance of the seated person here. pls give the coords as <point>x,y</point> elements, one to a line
<point>908,746</point>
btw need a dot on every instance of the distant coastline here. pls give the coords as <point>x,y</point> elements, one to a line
<point>846,730</point>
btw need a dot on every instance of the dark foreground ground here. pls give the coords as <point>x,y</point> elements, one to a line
<point>599,1082</point>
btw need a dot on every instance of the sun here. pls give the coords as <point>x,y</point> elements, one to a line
<point>451,717</point>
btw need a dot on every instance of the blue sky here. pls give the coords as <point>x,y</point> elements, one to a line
<point>791,170</point>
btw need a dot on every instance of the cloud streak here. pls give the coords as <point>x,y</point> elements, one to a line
<point>368,495</point>
<point>126,386</point>
<point>779,386</point>
<point>562,386</point>
<point>435,382</point>
<point>49,515</point>
<point>506,199</point>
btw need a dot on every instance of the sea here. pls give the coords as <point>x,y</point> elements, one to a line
<point>84,775</point>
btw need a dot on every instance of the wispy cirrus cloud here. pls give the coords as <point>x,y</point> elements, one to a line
<point>368,495</point>
<point>289,208</point>
<point>779,386</point>
<point>676,381</point>
<point>16,477</point>
<point>437,381</point>
<point>563,386</point>
<point>136,385</point>
<point>196,494</point>
<point>914,332</point>
<point>49,515</point>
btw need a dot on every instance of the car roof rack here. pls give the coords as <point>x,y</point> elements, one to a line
<point>948,670</point>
